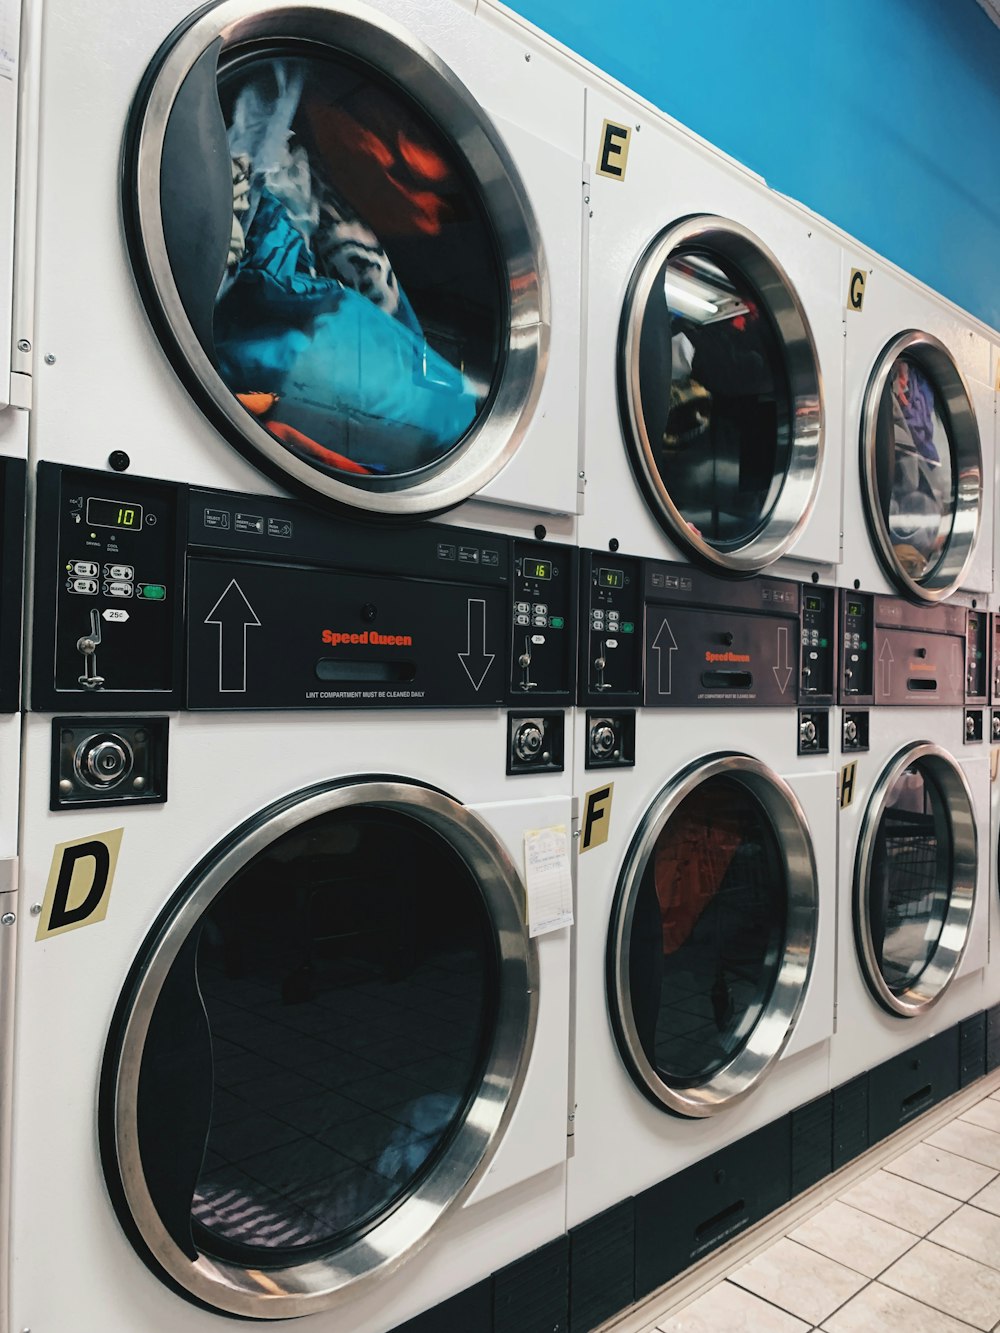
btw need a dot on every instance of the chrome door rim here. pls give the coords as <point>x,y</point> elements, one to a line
<point>797,497</point>
<point>941,967</point>
<point>963,436</point>
<point>321,1283</point>
<point>776,1022</point>
<point>362,32</point>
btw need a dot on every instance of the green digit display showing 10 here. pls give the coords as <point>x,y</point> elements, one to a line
<point>113,514</point>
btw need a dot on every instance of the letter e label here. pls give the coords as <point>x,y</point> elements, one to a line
<point>79,884</point>
<point>612,155</point>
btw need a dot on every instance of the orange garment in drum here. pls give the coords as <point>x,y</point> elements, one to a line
<point>692,856</point>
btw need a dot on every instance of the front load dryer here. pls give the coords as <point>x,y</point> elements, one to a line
<point>341,240</point>
<point>914,814</point>
<point>282,1000</point>
<point>919,451</point>
<point>704,968</point>
<point>714,356</point>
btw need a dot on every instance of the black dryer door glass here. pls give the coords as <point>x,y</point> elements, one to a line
<point>347,977</point>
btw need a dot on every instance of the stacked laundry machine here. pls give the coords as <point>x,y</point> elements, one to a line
<point>501,795</point>
<point>293,984</point>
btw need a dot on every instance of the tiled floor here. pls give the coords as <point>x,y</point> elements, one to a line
<point>912,1244</point>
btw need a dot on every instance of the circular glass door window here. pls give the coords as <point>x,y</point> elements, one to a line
<point>721,394</point>
<point>325,259</point>
<point>922,465</point>
<point>709,914</point>
<point>310,1054</point>
<point>915,878</point>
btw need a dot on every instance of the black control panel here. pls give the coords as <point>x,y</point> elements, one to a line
<point>819,644</point>
<point>13,474</point>
<point>543,619</point>
<point>857,635</point>
<point>897,653</point>
<point>977,657</point>
<point>161,596</point>
<point>995,658</point>
<point>610,629</point>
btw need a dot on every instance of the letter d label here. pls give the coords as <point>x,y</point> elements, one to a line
<point>79,886</point>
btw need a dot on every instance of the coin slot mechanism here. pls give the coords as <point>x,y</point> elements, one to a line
<point>536,742</point>
<point>814,731</point>
<point>973,726</point>
<point>610,739</point>
<point>854,731</point>
<point>108,761</point>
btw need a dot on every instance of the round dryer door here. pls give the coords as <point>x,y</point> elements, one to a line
<point>915,879</point>
<point>319,1048</point>
<point>336,248</point>
<point>721,394</point>
<point>922,466</point>
<point>712,935</point>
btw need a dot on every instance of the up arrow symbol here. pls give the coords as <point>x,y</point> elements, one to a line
<point>234,616</point>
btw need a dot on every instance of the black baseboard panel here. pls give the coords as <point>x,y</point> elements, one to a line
<point>850,1121</point>
<point>993,1038</point>
<point>812,1144</point>
<point>607,1263</point>
<point>971,1049</point>
<point>687,1215</point>
<point>909,1084</point>
<point>601,1267</point>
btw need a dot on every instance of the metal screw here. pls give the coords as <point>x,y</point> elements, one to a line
<point>65,786</point>
<point>49,359</point>
<point>581,474</point>
<point>23,345</point>
<point>138,783</point>
<point>7,919</point>
<point>638,127</point>
<point>35,909</point>
<point>586,198</point>
<point>527,55</point>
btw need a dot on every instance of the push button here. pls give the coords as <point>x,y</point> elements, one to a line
<point>119,590</point>
<point>85,569</point>
<point>152,592</point>
<point>84,585</point>
<point>125,572</point>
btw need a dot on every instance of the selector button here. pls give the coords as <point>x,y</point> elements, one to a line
<point>152,592</point>
<point>522,620</point>
<point>125,572</point>
<point>119,590</point>
<point>85,569</point>
<point>522,608</point>
<point>84,585</point>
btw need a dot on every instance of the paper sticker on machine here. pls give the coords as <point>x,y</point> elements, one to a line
<point>80,881</point>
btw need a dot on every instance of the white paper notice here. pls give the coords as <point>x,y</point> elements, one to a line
<point>548,879</point>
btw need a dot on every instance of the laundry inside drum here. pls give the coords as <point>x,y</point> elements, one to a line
<point>708,932</point>
<point>361,315</point>
<point>915,474</point>
<point>715,397</point>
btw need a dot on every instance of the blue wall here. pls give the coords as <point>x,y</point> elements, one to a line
<point>882,115</point>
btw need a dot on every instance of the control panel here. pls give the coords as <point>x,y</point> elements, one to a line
<point>856,638</point>
<point>12,497</point>
<point>611,628</point>
<point>542,621</point>
<point>713,642</point>
<point>897,653</point>
<point>157,596</point>
<point>109,591</point>
<point>819,644</point>
<point>977,643</point>
<point>995,657</point>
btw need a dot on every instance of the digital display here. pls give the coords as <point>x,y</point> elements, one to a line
<point>610,578</point>
<point>814,604</point>
<point>538,569</point>
<point>113,514</point>
<point>854,608</point>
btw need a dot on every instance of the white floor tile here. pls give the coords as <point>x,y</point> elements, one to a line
<point>971,1141</point>
<point>799,1280</point>
<point>853,1238</point>
<point>985,1113</point>
<point>971,1232</point>
<point>941,1171</point>
<point>950,1282</point>
<point>880,1308</point>
<point>730,1309</point>
<point>902,1202</point>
